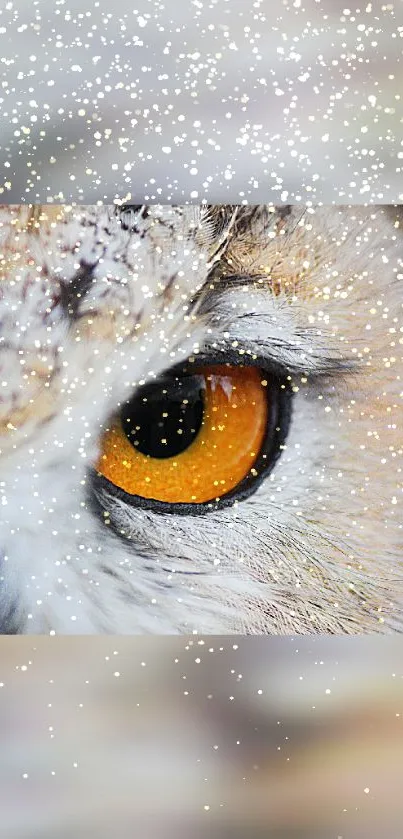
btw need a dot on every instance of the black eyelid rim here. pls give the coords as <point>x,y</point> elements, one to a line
<point>214,355</point>
<point>244,490</point>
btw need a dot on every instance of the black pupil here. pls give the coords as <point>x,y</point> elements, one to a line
<point>163,419</point>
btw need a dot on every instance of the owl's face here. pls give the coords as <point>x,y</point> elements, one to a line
<point>201,419</point>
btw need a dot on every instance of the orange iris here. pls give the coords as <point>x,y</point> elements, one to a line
<point>233,422</point>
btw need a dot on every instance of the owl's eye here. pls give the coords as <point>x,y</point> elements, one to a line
<point>195,436</point>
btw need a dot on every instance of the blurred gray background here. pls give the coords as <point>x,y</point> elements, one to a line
<point>227,737</point>
<point>220,100</point>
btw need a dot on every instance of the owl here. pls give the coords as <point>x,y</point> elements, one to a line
<point>201,426</point>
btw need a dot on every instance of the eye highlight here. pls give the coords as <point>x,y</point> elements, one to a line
<point>193,437</point>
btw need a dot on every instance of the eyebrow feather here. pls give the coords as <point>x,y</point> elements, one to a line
<point>269,329</point>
